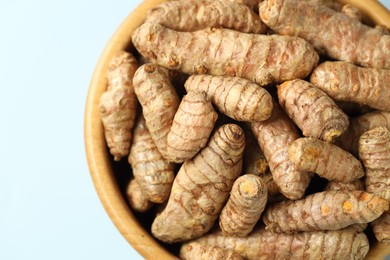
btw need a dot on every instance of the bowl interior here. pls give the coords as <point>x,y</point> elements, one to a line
<point>110,178</point>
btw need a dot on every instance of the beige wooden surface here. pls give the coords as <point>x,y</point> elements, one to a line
<point>97,155</point>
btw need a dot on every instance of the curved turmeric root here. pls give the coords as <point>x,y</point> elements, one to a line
<point>263,59</point>
<point>327,160</point>
<point>344,81</point>
<point>237,98</point>
<point>202,187</point>
<point>374,151</point>
<point>312,110</point>
<point>118,104</point>
<point>192,125</point>
<point>274,135</point>
<point>159,102</point>
<point>193,15</point>
<point>327,210</point>
<point>262,244</point>
<point>153,173</point>
<point>332,33</point>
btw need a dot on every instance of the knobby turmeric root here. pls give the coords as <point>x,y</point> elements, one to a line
<point>327,160</point>
<point>159,102</point>
<point>344,81</point>
<point>374,151</point>
<point>117,105</point>
<point>263,59</point>
<point>196,251</point>
<point>245,205</point>
<point>349,141</point>
<point>192,125</point>
<point>153,173</point>
<point>315,113</point>
<point>193,15</point>
<point>327,210</point>
<point>237,98</point>
<point>262,244</point>
<point>202,187</point>
<point>274,135</point>
<point>136,198</point>
<point>332,33</point>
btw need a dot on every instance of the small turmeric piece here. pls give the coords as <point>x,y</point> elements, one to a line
<point>374,151</point>
<point>117,105</point>
<point>349,140</point>
<point>262,244</point>
<point>159,102</point>
<point>312,110</point>
<point>263,59</point>
<point>332,33</point>
<point>274,135</point>
<point>153,173</point>
<point>327,210</point>
<point>196,251</point>
<point>201,187</point>
<point>344,81</point>
<point>245,205</point>
<point>192,125</point>
<point>136,198</point>
<point>237,98</point>
<point>327,160</point>
<point>193,15</point>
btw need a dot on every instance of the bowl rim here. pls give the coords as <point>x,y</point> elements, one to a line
<point>98,159</point>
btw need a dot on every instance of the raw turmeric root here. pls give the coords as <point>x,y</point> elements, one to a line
<point>192,125</point>
<point>193,15</point>
<point>262,244</point>
<point>159,102</point>
<point>117,105</point>
<point>332,33</point>
<point>347,82</point>
<point>243,209</point>
<point>327,210</point>
<point>153,173</point>
<point>374,151</point>
<point>136,198</point>
<point>312,110</point>
<point>264,59</point>
<point>274,135</point>
<point>237,98</point>
<point>196,251</point>
<point>349,141</point>
<point>327,160</point>
<point>202,187</point>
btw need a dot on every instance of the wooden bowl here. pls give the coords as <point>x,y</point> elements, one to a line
<point>104,172</point>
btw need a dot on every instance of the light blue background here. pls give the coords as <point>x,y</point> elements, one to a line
<point>48,206</point>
